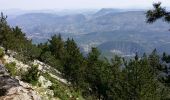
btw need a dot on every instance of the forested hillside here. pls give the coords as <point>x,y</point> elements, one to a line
<point>91,77</point>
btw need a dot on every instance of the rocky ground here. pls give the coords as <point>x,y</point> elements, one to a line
<point>11,89</point>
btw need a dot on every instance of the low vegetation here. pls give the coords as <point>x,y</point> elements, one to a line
<point>11,67</point>
<point>31,76</point>
<point>61,90</point>
<point>1,53</point>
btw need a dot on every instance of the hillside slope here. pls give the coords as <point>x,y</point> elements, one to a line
<point>13,88</point>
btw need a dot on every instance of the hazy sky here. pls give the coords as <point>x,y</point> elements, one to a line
<point>77,4</point>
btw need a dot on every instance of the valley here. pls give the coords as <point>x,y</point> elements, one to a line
<point>116,26</point>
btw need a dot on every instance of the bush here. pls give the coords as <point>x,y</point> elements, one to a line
<point>1,52</point>
<point>31,76</point>
<point>61,90</point>
<point>11,67</point>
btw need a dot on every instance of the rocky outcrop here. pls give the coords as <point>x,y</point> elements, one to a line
<point>44,83</point>
<point>12,89</point>
<point>27,91</point>
<point>20,93</point>
<point>19,64</point>
<point>51,71</point>
<point>41,67</point>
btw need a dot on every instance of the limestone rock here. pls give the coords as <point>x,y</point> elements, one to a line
<point>11,89</point>
<point>44,83</point>
<point>19,64</point>
<point>20,93</point>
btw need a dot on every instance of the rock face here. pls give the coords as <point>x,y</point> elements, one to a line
<point>20,93</point>
<point>19,90</point>
<point>11,89</point>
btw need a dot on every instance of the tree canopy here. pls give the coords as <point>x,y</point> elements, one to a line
<point>157,13</point>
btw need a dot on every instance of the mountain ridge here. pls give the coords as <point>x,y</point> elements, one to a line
<point>92,30</point>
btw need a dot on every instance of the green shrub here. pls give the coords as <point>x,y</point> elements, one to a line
<point>1,52</point>
<point>61,90</point>
<point>11,67</point>
<point>31,76</point>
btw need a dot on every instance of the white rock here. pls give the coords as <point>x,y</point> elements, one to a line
<point>59,79</point>
<point>20,93</point>
<point>44,83</point>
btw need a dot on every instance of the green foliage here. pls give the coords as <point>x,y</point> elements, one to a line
<point>47,54</point>
<point>11,67</point>
<point>141,80</point>
<point>29,52</point>
<point>73,61</point>
<point>166,58</point>
<point>1,52</point>
<point>154,61</point>
<point>31,76</point>
<point>32,51</point>
<point>61,90</point>
<point>102,77</point>
<point>11,36</point>
<point>57,46</point>
<point>48,58</point>
<point>157,13</point>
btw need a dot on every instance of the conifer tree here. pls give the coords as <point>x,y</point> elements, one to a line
<point>97,75</point>
<point>73,62</point>
<point>56,46</point>
<point>154,60</point>
<point>157,13</point>
<point>141,82</point>
<point>115,83</point>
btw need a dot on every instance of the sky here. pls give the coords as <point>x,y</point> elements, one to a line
<point>78,4</point>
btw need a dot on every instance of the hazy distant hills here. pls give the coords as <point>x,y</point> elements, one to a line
<point>47,23</point>
<point>80,23</point>
<point>98,29</point>
<point>106,11</point>
<point>125,48</point>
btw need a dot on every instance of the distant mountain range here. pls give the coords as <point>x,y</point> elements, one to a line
<point>112,30</point>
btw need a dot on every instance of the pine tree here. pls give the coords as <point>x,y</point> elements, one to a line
<point>141,82</point>
<point>56,45</point>
<point>115,82</point>
<point>5,33</point>
<point>73,63</point>
<point>157,13</point>
<point>98,75</point>
<point>154,60</point>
